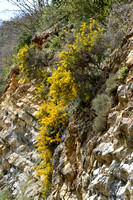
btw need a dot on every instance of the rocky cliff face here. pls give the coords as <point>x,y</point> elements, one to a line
<point>18,130</point>
<point>89,166</point>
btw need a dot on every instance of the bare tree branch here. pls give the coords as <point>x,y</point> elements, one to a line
<point>32,9</point>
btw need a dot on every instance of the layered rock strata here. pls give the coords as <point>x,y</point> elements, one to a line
<point>90,166</point>
<point>18,130</point>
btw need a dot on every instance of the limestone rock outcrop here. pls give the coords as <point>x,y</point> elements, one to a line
<point>18,130</point>
<point>90,166</point>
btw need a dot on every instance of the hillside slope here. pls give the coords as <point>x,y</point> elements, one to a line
<point>89,166</point>
<point>86,165</point>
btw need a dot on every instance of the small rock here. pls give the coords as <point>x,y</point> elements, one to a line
<point>25,117</point>
<point>14,143</point>
<point>85,181</point>
<point>122,93</point>
<point>1,147</point>
<point>129,61</point>
<point>103,151</point>
<point>68,172</point>
<point>6,165</point>
<point>22,148</point>
<point>112,118</point>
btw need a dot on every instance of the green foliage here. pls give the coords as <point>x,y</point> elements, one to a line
<point>101,104</point>
<point>84,9</point>
<point>27,198</point>
<point>79,58</point>
<point>25,39</point>
<point>112,83</point>
<point>77,11</point>
<point>57,2</point>
<point>1,174</point>
<point>7,63</point>
<point>31,63</point>
<point>5,195</point>
<point>2,80</point>
<point>54,45</point>
<point>25,56</point>
<point>4,71</point>
<point>55,42</point>
<point>99,124</point>
<point>122,73</point>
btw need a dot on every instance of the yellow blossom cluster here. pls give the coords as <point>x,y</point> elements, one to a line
<point>23,62</point>
<point>89,34</point>
<point>53,118</point>
<point>62,89</point>
<point>23,53</point>
<point>57,89</point>
<point>85,39</point>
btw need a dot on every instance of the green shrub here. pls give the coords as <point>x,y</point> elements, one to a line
<point>5,195</point>
<point>77,11</point>
<point>31,63</point>
<point>112,84</point>
<point>54,45</point>
<point>99,124</point>
<point>113,81</point>
<point>40,59</point>
<point>23,40</point>
<point>122,73</point>
<point>101,104</point>
<point>4,71</point>
<point>55,42</point>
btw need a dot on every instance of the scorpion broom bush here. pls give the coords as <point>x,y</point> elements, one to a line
<point>64,87</point>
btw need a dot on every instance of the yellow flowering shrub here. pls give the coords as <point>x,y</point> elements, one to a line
<point>85,40</point>
<point>53,119</point>
<point>79,54</point>
<point>26,60</point>
<point>57,90</point>
<point>62,88</point>
<point>22,55</point>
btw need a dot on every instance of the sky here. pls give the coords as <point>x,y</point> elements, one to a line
<point>6,10</point>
